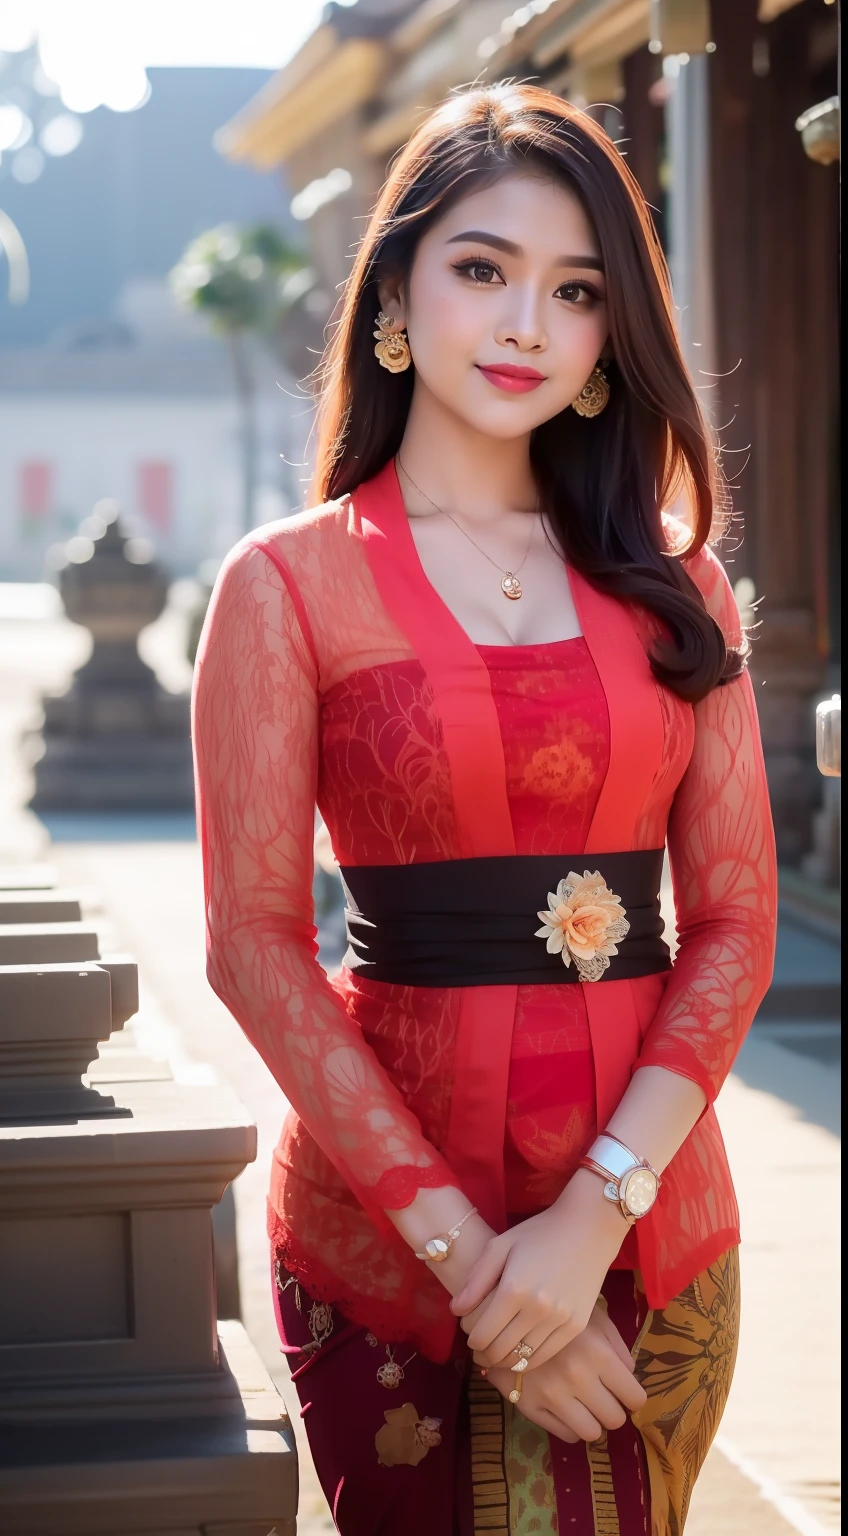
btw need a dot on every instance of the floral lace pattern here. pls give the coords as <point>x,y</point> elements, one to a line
<point>306,692</point>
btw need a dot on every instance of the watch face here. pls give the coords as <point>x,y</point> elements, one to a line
<point>639,1191</point>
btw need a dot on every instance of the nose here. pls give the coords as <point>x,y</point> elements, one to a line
<point>521,324</point>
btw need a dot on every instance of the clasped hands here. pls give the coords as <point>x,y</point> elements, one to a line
<point>539,1284</point>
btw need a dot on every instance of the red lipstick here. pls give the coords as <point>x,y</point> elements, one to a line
<point>511,378</point>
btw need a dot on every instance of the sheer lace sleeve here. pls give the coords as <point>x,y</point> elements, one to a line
<point>255,727</point>
<point>721,849</point>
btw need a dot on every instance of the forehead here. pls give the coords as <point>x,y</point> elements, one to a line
<point>540,214</point>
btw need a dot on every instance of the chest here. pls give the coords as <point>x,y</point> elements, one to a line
<point>386,788</point>
<point>509,589</point>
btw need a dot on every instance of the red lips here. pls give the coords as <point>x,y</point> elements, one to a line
<point>511,377</point>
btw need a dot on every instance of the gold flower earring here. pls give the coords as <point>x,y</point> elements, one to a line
<point>392,349</point>
<point>594,396</point>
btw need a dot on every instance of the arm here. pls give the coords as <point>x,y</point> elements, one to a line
<point>255,728</point>
<point>722,856</point>
<point>721,848</point>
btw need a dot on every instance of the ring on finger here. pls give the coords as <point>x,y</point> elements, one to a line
<point>523,1351</point>
<point>515,1394</point>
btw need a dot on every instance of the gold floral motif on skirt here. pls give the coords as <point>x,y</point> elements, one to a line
<point>406,1437</point>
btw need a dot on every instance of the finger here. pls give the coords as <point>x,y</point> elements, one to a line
<point>546,1345</point>
<point>583,1423</point>
<point>554,1426</point>
<point>502,1350</point>
<point>618,1380</point>
<point>602,1405</point>
<point>482,1279</point>
<point>611,1332</point>
<point>503,1312</point>
<point>467,1322</point>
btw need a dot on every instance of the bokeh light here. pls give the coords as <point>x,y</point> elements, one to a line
<point>17,27</point>
<point>28,164</point>
<point>12,123</point>
<point>61,135</point>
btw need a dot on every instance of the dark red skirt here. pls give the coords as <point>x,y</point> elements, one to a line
<point>404,1447</point>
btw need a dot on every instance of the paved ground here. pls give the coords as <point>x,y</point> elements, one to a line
<point>776,1468</point>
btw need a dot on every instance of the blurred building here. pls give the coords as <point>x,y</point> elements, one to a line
<point>141,408</point>
<point>703,97</point>
<point>106,388</point>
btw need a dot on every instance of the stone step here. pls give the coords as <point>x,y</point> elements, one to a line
<point>27,877</point>
<point>29,943</point>
<point>28,906</point>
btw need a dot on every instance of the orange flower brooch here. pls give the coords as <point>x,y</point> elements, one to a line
<point>584,922</point>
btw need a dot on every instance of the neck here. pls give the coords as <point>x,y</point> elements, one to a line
<point>462,469</point>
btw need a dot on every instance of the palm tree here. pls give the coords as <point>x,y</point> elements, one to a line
<point>245,281</point>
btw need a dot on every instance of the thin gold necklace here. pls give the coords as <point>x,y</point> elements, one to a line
<point>510,585</point>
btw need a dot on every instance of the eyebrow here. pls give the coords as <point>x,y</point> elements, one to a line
<point>497,242</point>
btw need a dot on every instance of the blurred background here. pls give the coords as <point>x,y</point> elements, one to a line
<point>181,189</point>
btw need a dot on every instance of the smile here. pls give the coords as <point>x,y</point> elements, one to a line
<point>511,378</point>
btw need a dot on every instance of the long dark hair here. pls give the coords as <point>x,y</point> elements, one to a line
<point>603,482</point>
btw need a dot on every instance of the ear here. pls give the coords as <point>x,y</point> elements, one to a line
<point>390,291</point>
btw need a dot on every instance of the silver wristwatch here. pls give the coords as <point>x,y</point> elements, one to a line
<point>629,1181</point>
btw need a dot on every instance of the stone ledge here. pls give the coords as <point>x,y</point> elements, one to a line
<point>212,1476</point>
<point>174,1145</point>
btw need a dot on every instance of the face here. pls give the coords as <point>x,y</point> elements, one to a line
<point>505,306</point>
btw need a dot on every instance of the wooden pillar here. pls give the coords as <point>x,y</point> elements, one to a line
<point>775,258</point>
<point>644,130</point>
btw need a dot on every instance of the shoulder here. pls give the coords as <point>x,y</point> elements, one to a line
<point>710,577</point>
<point>295,545</point>
<point>329,519</point>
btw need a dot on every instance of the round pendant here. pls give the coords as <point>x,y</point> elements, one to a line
<point>390,1375</point>
<point>511,587</point>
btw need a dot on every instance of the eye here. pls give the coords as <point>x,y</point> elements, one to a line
<point>578,293</point>
<point>480,271</point>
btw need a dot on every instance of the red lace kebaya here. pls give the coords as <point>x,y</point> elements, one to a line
<point>330,672</point>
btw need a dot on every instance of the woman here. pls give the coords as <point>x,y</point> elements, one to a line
<point>506,679</point>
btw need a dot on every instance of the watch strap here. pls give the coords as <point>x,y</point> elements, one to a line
<point>612,1156</point>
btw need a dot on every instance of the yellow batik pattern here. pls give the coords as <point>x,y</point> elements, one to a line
<point>685,1357</point>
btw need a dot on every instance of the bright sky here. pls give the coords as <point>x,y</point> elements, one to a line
<point>88,37</point>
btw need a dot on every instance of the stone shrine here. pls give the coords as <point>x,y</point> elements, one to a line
<point>116,739</point>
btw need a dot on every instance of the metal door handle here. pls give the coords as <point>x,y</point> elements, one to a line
<point>829,736</point>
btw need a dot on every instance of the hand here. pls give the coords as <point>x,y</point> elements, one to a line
<point>586,1388</point>
<point>545,1276</point>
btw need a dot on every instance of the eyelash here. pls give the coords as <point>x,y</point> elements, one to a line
<point>468,265</point>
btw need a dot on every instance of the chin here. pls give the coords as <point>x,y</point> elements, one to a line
<point>506,423</point>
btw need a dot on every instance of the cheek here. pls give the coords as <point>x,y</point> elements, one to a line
<point>443,327</point>
<point>580,340</point>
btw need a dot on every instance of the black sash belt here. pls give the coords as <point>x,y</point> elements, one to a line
<point>472,922</point>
